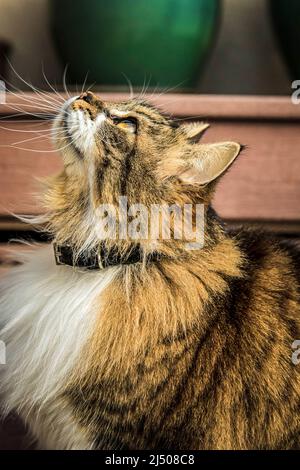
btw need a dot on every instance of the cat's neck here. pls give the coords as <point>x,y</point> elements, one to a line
<point>147,305</point>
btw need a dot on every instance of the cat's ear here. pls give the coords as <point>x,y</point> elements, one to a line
<point>194,130</point>
<point>208,162</point>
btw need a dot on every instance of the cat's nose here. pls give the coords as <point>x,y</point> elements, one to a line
<point>88,97</point>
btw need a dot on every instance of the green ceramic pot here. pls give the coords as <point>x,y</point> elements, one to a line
<point>286,20</point>
<point>161,41</point>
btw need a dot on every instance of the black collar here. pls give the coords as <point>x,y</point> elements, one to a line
<point>99,259</point>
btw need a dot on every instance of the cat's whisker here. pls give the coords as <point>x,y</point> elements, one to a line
<point>60,99</point>
<point>24,105</point>
<point>58,132</point>
<point>32,87</point>
<point>45,132</point>
<point>34,100</point>
<point>38,151</point>
<point>37,101</point>
<point>41,116</point>
<point>22,112</point>
<point>199,116</point>
<point>24,97</point>
<point>90,86</point>
<point>30,101</point>
<point>165,110</point>
<point>41,137</point>
<point>129,86</point>
<point>42,98</point>
<point>65,81</point>
<point>9,117</point>
<point>141,94</point>
<point>147,86</point>
<point>26,131</point>
<point>154,93</point>
<point>84,82</point>
<point>47,110</point>
<point>167,90</point>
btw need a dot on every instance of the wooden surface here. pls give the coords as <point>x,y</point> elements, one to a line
<point>183,105</point>
<point>264,184</point>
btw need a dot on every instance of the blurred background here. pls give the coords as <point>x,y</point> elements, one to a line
<point>208,46</point>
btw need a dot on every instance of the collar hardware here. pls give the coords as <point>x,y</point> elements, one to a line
<point>99,259</point>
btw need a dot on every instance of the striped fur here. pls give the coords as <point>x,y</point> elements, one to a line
<point>192,351</point>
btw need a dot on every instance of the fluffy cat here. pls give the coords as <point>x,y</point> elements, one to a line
<point>162,347</point>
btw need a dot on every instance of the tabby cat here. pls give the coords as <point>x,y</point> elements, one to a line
<point>134,344</point>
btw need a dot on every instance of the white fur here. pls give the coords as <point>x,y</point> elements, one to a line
<point>83,129</point>
<point>100,119</point>
<point>47,313</point>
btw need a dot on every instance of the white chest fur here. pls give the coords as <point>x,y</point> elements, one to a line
<point>46,315</point>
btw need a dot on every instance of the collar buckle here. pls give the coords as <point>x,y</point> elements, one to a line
<point>99,259</point>
<point>58,254</point>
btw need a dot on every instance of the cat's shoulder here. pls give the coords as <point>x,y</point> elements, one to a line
<point>257,244</point>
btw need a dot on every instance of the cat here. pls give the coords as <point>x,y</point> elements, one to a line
<point>141,344</point>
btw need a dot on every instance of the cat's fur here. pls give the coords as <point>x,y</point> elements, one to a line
<point>190,351</point>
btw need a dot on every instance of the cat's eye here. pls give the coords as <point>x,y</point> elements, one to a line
<point>128,124</point>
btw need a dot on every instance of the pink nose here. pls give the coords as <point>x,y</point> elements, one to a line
<point>88,97</point>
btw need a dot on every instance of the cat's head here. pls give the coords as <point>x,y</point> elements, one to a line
<point>128,149</point>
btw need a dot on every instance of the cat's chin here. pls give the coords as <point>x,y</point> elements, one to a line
<point>71,146</point>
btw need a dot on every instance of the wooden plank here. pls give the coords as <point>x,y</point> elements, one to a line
<point>11,224</point>
<point>19,169</point>
<point>205,106</point>
<point>288,228</point>
<point>283,228</point>
<point>263,184</point>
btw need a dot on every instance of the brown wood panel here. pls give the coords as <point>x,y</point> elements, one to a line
<point>19,168</point>
<point>210,106</point>
<point>262,185</point>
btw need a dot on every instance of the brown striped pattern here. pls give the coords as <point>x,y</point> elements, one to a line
<point>221,378</point>
<point>194,351</point>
